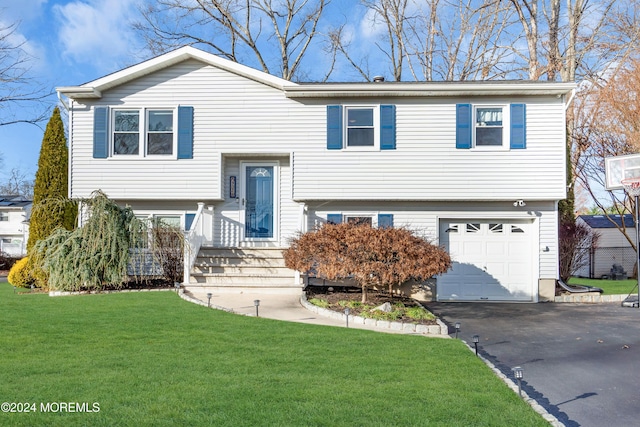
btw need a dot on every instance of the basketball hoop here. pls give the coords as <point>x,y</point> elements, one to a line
<point>631,186</point>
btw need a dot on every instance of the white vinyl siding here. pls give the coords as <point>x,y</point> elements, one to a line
<point>426,165</point>
<point>235,114</point>
<point>222,123</point>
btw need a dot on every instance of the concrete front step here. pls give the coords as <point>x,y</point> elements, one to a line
<point>242,280</point>
<point>241,270</point>
<point>255,253</point>
<point>207,261</point>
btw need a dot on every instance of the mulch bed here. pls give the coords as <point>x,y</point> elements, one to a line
<point>334,295</point>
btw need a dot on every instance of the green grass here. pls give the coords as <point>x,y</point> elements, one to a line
<point>152,359</point>
<point>610,287</point>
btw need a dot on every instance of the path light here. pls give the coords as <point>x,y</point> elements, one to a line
<point>518,372</point>
<point>346,312</point>
<point>177,285</point>
<point>457,329</point>
<point>14,289</point>
<point>476,340</point>
<point>256,302</point>
<point>209,295</point>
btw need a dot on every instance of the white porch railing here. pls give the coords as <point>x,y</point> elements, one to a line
<point>200,234</point>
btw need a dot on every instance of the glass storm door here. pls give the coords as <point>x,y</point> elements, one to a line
<point>259,202</point>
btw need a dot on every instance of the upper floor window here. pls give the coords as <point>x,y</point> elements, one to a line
<point>126,132</point>
<point>160,132</point>
<point>361,127</point>
<point>133,132</point>
<point>155,125</point>
<point>491,126</point>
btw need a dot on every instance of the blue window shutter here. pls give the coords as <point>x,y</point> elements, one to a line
<point>185,132</point>
<point>518,136</point>
<point>385,220</point>
<point>463,126</point>
<point>334,127</point>
<point>100,133</point>
<point>387,127</point>
<point>334,218</point>
<point>188,220</point>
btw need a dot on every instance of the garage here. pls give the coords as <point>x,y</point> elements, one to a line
<point>491,260</point>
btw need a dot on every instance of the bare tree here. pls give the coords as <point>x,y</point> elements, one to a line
<point>607,124</point>
<point>434,40</point>
<point>19,90</point>
<point>237,29</point>
<point>17,184</point>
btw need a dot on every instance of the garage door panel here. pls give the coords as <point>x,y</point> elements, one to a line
<point>470,248</point>
<point>491,260</point>
<point>496,249</point>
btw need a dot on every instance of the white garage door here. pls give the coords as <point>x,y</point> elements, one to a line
<point>492,260</point>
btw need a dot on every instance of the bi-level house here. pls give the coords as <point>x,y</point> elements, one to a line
<point>244,160</point>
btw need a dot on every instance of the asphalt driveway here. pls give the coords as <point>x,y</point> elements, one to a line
<point>581,361</point>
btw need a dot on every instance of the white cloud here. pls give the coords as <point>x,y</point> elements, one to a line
<point>96,32</point>
<point>372,25</point>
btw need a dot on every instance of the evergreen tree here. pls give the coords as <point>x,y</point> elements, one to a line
<point>51,185</point>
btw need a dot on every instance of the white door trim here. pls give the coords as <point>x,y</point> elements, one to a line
<point>276,199</point>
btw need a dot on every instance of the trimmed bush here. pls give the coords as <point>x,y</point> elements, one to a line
<point>19,275</point>
<point>374,257</point>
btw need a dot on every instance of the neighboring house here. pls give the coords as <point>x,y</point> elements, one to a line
<point>612,247</point>
<point>14,224</point>
<point>246,160</point>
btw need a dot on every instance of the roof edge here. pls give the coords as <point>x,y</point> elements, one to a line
<point>94,89</point>
<point>419,89</point>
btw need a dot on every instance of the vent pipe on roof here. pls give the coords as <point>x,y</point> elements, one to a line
<point>378,79</point>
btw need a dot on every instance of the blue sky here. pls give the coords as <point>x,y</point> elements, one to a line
<point>71,42</point>
<point>76,41</point>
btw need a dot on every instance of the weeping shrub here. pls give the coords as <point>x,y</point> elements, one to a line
<point>95,255</point>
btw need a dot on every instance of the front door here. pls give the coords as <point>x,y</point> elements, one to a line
<point>259,200</point>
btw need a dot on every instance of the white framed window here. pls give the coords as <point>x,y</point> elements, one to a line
<point>4,216</point>
<point>359,219</point>
<point>361,127</point>
<point>169,220</point>
<point>139,132</point>
<point>159,132</point>
<point>490,126</point>
<point>126,132</point>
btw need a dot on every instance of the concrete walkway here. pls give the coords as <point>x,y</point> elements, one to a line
<point>274,306</point>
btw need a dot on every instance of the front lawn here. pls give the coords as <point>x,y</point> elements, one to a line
<point>610,287</point>
<point>152,359</point>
